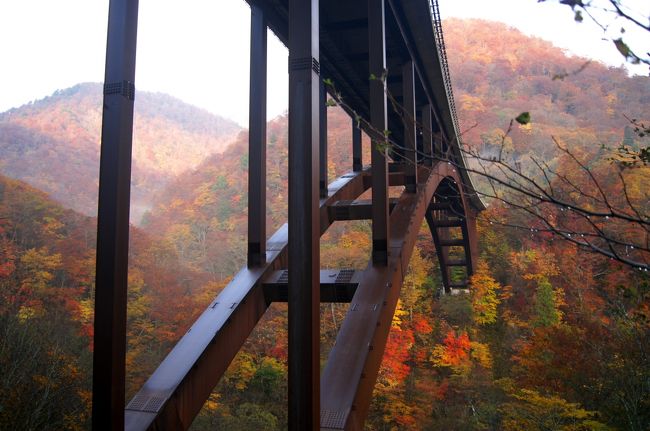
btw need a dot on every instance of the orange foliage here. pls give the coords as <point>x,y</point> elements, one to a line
<point>456,348</point>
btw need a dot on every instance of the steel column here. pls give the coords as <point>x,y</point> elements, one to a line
<point>323,140</point>
<point>410,126</point>
<point>109,353</point>
<point>357,158</point>
<point>427,134</point>
<point>379,123</point>
<point>472,238</point>
<point>257,140</point>
<point>304,267</point>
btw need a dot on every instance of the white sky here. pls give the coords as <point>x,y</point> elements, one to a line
<point>197,50</point>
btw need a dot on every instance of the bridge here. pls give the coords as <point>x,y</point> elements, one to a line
<point>383,62</point>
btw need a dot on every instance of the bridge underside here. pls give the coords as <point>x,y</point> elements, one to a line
<point>365,54</point>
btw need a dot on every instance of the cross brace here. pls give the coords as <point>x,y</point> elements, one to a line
<point>335,285</point>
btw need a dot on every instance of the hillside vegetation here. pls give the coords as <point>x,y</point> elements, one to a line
<point>53,144</point>
<point>550,337</point>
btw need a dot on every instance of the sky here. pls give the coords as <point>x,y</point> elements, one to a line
<point>197,50</point>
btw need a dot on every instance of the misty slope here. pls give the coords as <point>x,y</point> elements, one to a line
<point>47,281</point>
<point>53,144</point>
<point>203,212</point>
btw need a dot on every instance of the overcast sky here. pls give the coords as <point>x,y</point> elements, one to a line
<point>197,50</point>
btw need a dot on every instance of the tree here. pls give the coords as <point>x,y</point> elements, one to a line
<point>483,289</point>
<point>547,304</point>
<point>530,410</point>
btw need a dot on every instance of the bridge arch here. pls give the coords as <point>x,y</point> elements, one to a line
<point>452,224</point>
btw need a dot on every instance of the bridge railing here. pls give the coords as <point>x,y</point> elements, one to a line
<point>444,65</point>
<point>442,55</point>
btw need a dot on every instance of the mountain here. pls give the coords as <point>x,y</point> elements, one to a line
<point>47,277</point>
<point>498,72</point>
<point>53,144</point>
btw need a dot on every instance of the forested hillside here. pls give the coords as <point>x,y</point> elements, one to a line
<point>549,337</point>
<point>498,73</point>
<point>47,270</point>
<point>53,144</point>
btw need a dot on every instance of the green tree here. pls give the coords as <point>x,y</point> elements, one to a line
<point>547,304</point>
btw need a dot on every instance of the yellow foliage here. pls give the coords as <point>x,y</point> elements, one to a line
<point>26,312</point>
<point>86,311</point>
<point>471,103</point>
<point>52,226</point>
<point>531,411</point>
<point>212,403</point>
<point>39,266</point>
<point>399,313</point>
<point>205,196</point>
<point>526,128</point>
<point>416,278</point>
<point>484,295</point>
<point>534,264</point>
<point>481,353</point>
<point>241,370</point>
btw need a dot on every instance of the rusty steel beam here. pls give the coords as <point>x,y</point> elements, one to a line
<point>410,127</point>
<point>257,140</point>
<point>427,135</point>
<point>355,210</point>
<point>336,285</point>
<point>353,364</point>
<point>379,123</point>
<point>322,158</point>
<point>304,238</point>
<point>394,179</point>
<point>176,391</point>
<point>456,242</point>
<point>109,352</point>
<point>450,222</point>
<point>357,160</point>
<point>471,234</point>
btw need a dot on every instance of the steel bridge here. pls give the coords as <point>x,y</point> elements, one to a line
<point>384,62</point>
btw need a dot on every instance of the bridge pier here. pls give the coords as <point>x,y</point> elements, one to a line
<point>410,158</point>
<point>109,353</point>
<point>357,161</point>
<point>305,110</point>
<point>378,135</point>
<point>427,135</point>
<point>257,140</point>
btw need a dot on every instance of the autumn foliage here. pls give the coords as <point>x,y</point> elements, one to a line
<point>548,336</point>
